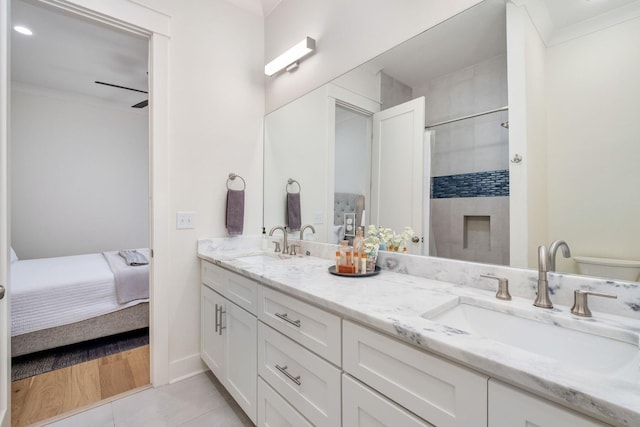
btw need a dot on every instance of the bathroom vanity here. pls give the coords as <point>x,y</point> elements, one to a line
<point>295,345</point>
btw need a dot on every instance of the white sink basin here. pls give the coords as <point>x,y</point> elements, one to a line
<point>262,258</point>
<point>602,354</point>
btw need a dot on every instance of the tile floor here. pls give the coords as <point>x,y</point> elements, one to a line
<point>197,401</point>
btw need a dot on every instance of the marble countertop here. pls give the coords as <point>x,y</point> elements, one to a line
<point>395,303</point>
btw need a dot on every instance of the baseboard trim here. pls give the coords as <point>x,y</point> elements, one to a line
<point>186,367</point>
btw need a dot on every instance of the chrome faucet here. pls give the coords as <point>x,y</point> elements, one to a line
<point>566,252</point>
<point>304,227</point>
<point>542,299</point>
<point>285,243</point>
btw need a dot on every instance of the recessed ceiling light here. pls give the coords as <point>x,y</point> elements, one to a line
<point>23,30</point>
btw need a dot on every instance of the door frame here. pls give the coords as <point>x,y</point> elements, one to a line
<point>136,18</point>
<point>5,335</point>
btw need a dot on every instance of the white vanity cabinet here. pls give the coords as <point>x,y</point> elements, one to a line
<point>510,407</point>
<point>299,355</point>
<point>290,363</point>
<point>440,392</point>
<point>229,333</point>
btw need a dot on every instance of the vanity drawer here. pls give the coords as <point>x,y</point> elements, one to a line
<point>362,406</point>
<point>441,392</point>
<point>243,291</point>
<point>274,411</point>
<point>310,326</point>
<point>235,287</point>
<point>213,276</point>
<point>308,382</point>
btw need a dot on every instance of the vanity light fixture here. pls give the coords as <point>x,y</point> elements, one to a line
<point>23,30</point>
<point>291,56</point>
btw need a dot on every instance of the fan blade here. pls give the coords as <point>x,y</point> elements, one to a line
<point>141,104</point>
<point>120,87</point>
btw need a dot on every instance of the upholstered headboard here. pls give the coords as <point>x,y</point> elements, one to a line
<point>347,203</point>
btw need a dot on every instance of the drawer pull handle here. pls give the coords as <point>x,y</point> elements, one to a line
<point>284,317</point>
<point>219,312</point>
<point>283,369</point>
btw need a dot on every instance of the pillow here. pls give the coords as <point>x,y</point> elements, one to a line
<point>14,257</point>
<point>338,233</point>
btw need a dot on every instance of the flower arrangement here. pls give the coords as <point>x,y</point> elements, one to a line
<point>380,238</point>
<point>398,240</point>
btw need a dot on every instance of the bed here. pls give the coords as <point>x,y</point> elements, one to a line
<point>66,300</point>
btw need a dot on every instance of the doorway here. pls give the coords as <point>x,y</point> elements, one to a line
<point>79,191</point>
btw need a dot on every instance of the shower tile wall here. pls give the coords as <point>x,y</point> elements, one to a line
<point>466,151</point>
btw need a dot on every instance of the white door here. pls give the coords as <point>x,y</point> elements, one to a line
<point>397,169</point>
<point>5,416</point>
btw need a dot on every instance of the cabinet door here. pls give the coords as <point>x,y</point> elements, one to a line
<point>211,340</point>
<point>240,330</point>
<point>510,407</point>
<point>363,407</point>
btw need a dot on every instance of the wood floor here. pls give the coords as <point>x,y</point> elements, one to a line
<point>53,393</point>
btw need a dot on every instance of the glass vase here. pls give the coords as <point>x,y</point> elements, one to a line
<point>371,263</point>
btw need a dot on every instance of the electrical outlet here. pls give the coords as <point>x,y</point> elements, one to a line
<point>185,220</point>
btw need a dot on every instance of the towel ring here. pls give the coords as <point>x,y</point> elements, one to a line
<point>292,181</point>
<point>232,177</point>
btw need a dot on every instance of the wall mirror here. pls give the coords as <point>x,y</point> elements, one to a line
<point>420,137</point>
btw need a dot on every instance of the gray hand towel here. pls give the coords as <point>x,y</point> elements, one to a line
<point>294,218</point>
<point>235,212</point>
<point>133,258</point>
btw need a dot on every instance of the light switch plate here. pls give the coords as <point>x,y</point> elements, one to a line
<point>185,220</point>
<point>318,217</point>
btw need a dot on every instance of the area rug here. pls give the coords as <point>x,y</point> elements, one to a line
<point>49,360</point>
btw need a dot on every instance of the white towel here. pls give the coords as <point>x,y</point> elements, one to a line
<point>132,283</point>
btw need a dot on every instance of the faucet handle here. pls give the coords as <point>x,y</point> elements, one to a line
<point>292,249</point>
<point>277,248</point>
<point>503,286</point>
<point>580,305</point>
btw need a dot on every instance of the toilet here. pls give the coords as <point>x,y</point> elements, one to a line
<point>608,267</point>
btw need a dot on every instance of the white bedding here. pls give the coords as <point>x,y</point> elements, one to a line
<point>52,292</point>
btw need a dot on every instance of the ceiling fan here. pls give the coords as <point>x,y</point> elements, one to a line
<point>140,104</point>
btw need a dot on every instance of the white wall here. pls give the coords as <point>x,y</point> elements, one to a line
<point>79,175</point>
<point>347,34</point>
<point>352,152</point>
<point>216,111</point>
<point>593,109</point>
<point>296,141</point>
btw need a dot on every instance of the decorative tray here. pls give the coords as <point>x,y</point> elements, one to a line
<point>332,270</point>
